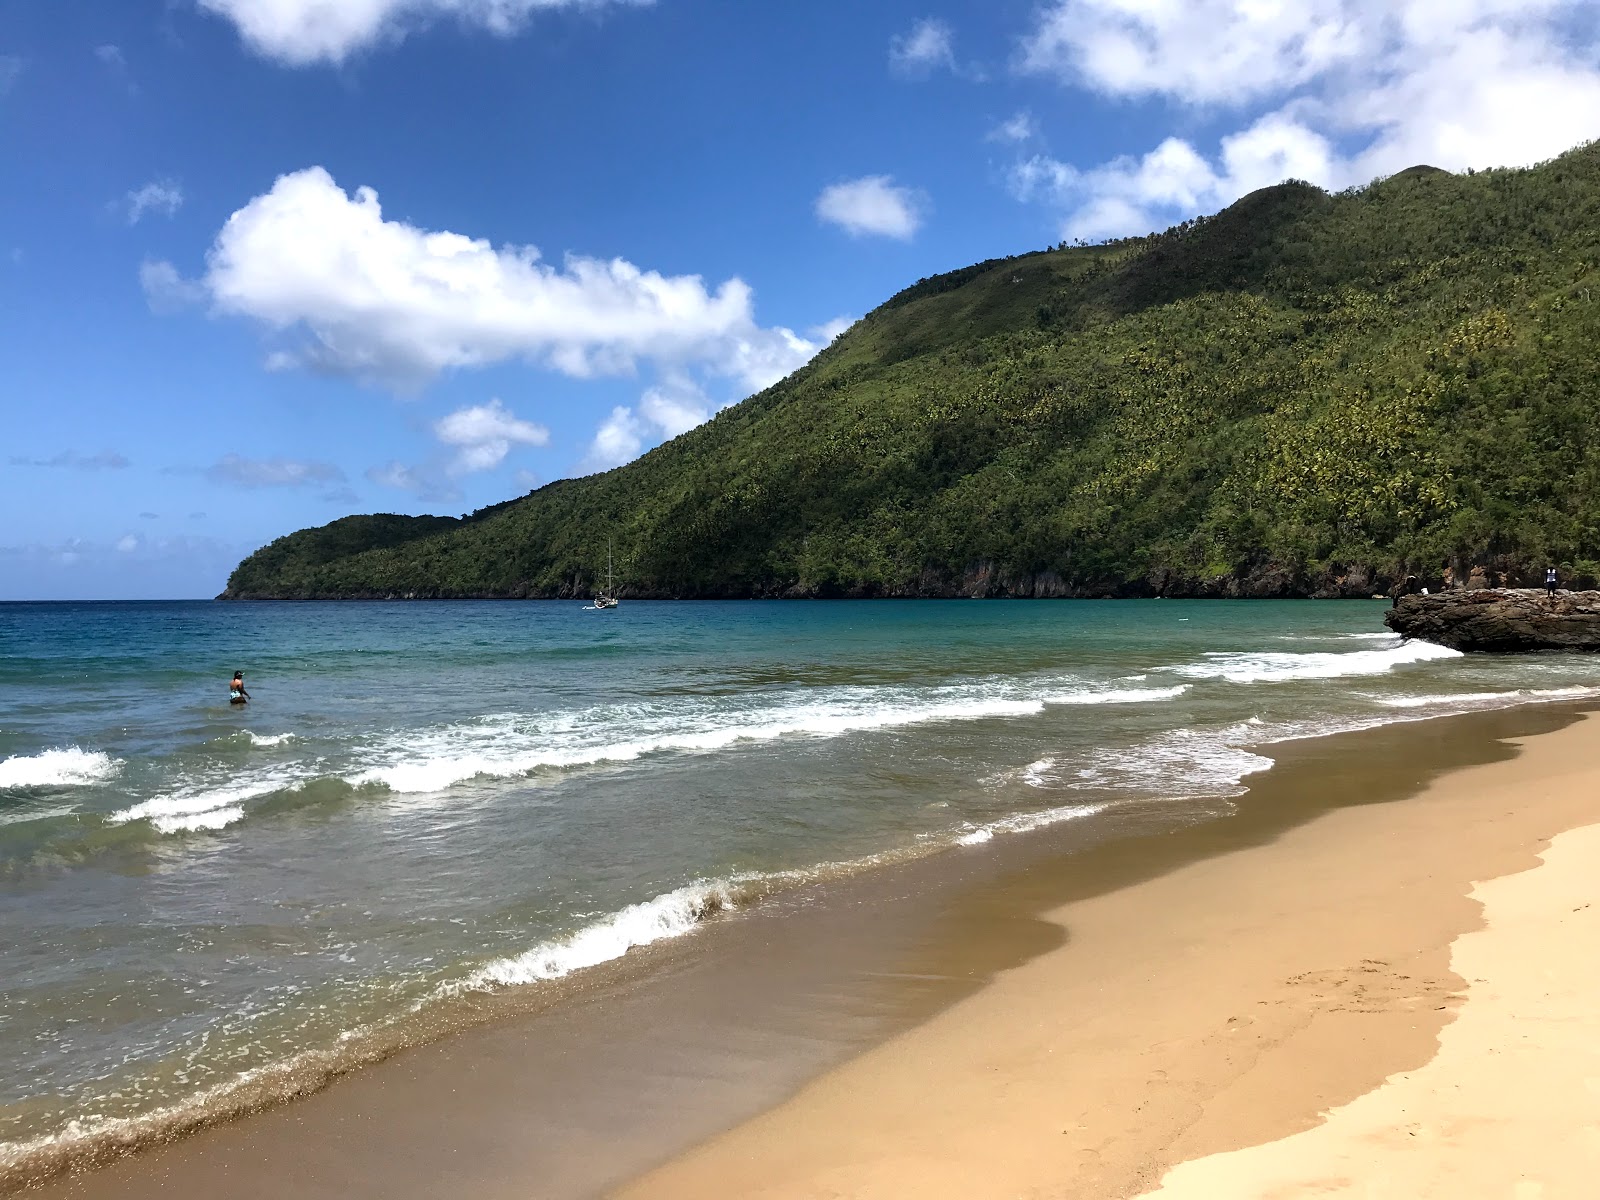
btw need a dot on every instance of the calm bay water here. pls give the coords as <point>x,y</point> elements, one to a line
<point>426,804</point>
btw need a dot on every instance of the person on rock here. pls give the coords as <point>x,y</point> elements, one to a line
<point>1551,581</point>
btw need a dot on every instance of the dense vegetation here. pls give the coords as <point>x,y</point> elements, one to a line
<point>1305,394</point>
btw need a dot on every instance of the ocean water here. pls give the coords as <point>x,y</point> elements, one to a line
<point>430,807</point>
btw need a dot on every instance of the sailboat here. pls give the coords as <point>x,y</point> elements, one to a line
<point>607,596</point>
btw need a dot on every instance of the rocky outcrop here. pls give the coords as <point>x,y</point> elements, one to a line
<point>1503,620</point>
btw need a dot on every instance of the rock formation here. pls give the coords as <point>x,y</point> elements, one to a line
<point>1501,620</point>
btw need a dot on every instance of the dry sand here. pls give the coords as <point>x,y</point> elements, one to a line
<point>1236,1000</point>
<point>1510,1106</point>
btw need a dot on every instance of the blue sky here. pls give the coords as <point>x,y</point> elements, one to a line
<point>264,263</point>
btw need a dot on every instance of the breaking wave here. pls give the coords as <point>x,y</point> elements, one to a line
<point>508,746</point>
<point>67,767</point>
<point>667,916</point>
<point>1278,666</point>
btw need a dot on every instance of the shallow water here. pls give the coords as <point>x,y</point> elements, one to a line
<point>427,802</point>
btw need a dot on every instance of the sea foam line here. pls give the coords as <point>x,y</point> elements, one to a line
<point>467,752</point>
<point>1277,666</point>
<point>64,767</point>
<point>202,809</point>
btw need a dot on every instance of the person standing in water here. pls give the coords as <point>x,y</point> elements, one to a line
<point>236,692</point>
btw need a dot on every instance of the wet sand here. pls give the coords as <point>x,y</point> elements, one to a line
<point>1063,1013</point>
<point>1231,1002</point>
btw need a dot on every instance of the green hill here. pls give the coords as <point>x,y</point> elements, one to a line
<point>1305,394</point>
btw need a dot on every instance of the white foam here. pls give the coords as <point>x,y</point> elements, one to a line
<point>506,745</point>
<point>268,739</point>
<point>1455,698</point>
<point>66,767</point>
<point>1180,763</point>
<point>667,916</point>
<point>1026,822</point>
<point>1278,666</point>
<point>1117,696</point>
<point>1487,699</point>
<point>199,809</point>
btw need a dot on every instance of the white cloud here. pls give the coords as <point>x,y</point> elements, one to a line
<point>427,482</point>
<point>663,412</point>
<point>166,290</point>
<point>11,66</point>
<point>303,32</point>
<point>244,472</point>
<point>1018,128</point>
<point>387,301</point>
<point>1334,91</point>
<point>829,331</point>
<point>928,47</point>
<point>110,55</point>
<point>872,205</point>
<point>161,196</point>
<point>619,439</point>
<point>106,460</point>
<point>128,543</point>
<point>483,434</point>
<point>1132,195</point>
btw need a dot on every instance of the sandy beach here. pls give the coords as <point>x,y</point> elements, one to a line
<point>1349,1010</point>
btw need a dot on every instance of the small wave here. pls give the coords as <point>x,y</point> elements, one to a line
<point>507,746</point>
<point>201,809</point>
<point>667,916</point>
<point>1395,638</point>
<point>67,767</point>
<point>268,739</point>
<point>1117,696</point>
<point>1179,764</point>
<point>1027,822</point>
<point>1278,666</point>
<point>1487,699</point>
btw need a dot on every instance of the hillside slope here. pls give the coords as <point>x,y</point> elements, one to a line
<point>1305,394</point>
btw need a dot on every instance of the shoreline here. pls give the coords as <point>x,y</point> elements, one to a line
<point>825,989</point>
<point>1312,969</point>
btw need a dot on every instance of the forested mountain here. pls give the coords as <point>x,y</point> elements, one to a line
<point>1304,394</point>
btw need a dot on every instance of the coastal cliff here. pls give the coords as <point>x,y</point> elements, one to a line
<point>1308,394</point>
<point>1501,619</point>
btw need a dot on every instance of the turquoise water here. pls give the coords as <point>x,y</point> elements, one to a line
<point>428,804</point>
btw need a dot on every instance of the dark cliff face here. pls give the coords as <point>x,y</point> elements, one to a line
<point>1501,620</point>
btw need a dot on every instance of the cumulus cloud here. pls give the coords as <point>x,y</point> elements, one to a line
<point>1017,128</point>
<point>619,439</point>
<point>382,300</point>
<point>426,481</point>
<point>1129,195</point>
<point>303,32</point>
<point>475,438</point>
<point>483,435</point>
<point>872,207</point>
<point>828,331</point>
<point>663,412</point>
<point>161,196</point>
<point>929,46</point>
<point>128,543</point>
<point>106,460</point>
<point>110,55</point>
<point>1334,91</point>
<point>165,289</point>
<point>239,471</point>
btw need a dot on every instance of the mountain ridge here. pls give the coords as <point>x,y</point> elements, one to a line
<point>1305,394</point>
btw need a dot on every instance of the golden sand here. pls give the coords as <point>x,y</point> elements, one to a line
<point>1234,1003</point>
